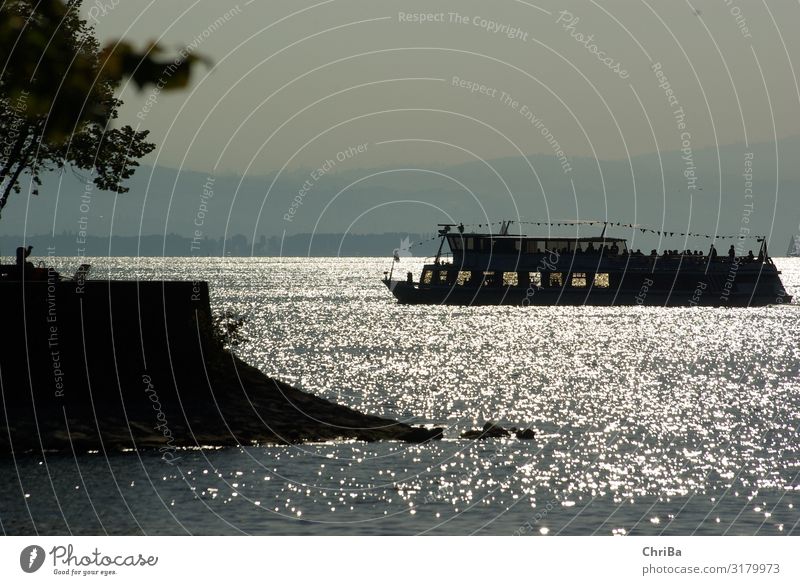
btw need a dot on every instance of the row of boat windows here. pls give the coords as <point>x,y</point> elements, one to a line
<point>495,278</point>
<point>500,246</point>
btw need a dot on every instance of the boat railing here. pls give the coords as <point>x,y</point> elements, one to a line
<point>444,258</point>
<point>640,258</point>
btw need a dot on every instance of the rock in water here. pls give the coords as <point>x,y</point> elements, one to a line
<point>490,431</point>
<point>421,435</point>
<point>526,435</point>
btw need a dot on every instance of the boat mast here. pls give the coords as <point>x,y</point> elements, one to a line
<point>444,229</point>
<point>763,250</point>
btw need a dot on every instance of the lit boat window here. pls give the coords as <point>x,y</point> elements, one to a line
<point>443,276</point>
<point>556,279</point>
<point>463,277</point>
<point>535,278</point>
<point>602,280</point>
<point>578,279</point>
<point>427,275</point>
<point>488,277</point>
<point>510,279</point>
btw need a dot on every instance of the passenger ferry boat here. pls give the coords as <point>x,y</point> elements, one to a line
<point>503,269</point>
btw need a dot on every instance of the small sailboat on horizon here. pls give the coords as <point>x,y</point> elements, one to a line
<point>794,247</point>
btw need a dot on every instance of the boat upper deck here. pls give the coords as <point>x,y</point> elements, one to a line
<point>499,252</point>
<point>516,244</point>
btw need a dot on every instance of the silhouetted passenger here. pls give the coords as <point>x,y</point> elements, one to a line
<point>23,267</point>
<point>410,278</point>
<point>731,252</point>
<point>614,249</point>
<point>590,248</point>
<point>750,256</point>
<point>712,253</point>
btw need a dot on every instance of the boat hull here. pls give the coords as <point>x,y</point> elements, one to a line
<point>413,294</point>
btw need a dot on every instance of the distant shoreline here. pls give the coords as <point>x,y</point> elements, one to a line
<point>174,245</point>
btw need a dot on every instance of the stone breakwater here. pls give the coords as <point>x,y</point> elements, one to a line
<point>140,368</point>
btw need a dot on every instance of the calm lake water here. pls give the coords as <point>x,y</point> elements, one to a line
<point>648,420</point>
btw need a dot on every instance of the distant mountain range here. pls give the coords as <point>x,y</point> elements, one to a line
<point>172,208</point>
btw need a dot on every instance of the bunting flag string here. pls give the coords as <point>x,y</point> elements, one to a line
<point>568,223</point>
<point>637,227</point>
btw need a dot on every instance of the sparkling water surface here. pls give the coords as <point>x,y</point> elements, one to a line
<point>648,420</point>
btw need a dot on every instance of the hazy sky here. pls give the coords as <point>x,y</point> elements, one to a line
<point>398,104</point>
<point>297,82</point>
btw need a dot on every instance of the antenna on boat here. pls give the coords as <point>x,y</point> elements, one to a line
<point>444,229</point>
